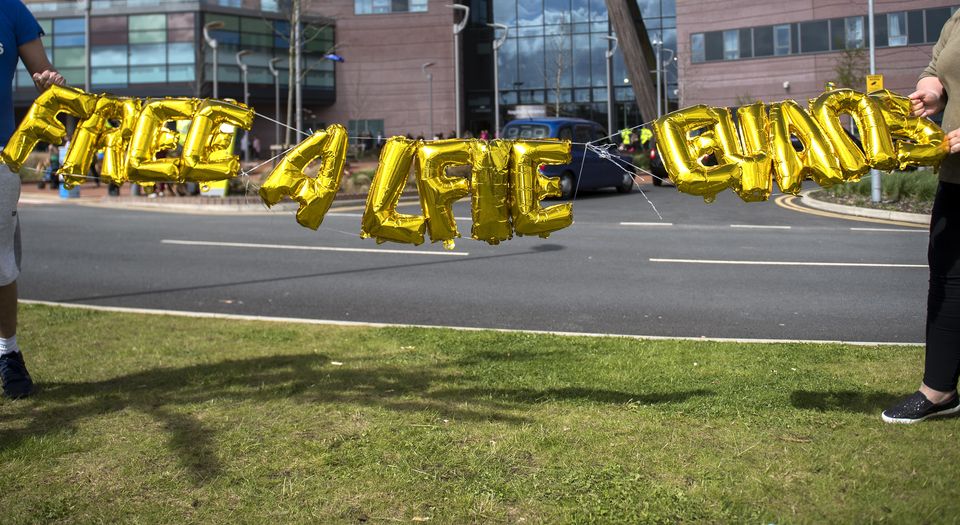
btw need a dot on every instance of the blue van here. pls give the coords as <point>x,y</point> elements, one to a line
<point>615,172</point>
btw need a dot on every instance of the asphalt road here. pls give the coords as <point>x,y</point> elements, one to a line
<point>703,270</point>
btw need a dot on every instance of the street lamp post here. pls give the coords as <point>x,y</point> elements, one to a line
<point>658,44</point>
<point>86,45</point>
<point>276,99</point>
<point>430,93</point>
<point>663,88</point>
<point>496,75</point>
<point>875,186</point>
<point>245,143</point>
<point>212,42</point>
<point>625,104</point>
<point>457,28</point>
<point>611,48</point>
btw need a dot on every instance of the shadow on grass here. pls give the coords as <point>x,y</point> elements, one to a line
<point>843,401</point>
<point>166,394</point>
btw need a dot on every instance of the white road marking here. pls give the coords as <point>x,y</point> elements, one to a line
<point>333,322</point>
<point>760,227</point>
<point>310,248</point>
<point>911,230</point>
<point>789,263</point>
<point>646,224</point>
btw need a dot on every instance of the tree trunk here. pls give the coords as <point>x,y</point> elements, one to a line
<point>637,53</point>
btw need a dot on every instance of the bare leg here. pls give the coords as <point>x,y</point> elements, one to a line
<point>8,310</point>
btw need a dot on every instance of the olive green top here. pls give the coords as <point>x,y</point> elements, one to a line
<point>945,65</point>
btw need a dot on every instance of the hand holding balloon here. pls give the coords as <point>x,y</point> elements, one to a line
<point>928,98</point>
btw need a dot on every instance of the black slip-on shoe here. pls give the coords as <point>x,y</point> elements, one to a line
<point>917,407</point>
<point>16,380</point>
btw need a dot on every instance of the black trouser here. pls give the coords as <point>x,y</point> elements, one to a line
<point>943,300</point>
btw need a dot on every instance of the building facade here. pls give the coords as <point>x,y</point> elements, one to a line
<point>398,71</point>
<point>732,52</point>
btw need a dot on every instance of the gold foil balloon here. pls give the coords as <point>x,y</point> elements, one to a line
<point>682,156</point>
<point>918,140</point>
<point>490,179</point>
<point>151,136</point>
<point>315,195</point>
<point>878,151</point>
<point>529,187</point>
<point>206,155</point>
<point>94,133</point>
<point>380,218</point>
<point>41,124</point>
<point>755,182</point>
<point>115,140</point>
<point>438,191</point>
<point>817,160</point>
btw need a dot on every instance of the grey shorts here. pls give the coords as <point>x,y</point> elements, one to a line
<point>9,226</point>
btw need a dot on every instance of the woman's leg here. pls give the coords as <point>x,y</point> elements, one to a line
<point>942,365</point>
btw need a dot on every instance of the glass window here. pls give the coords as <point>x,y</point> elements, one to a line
<point>915,27</point>
<point>143,54</point>
<point>838,34</point>
<point>68,57</point>
<point>746,43</point>
<point>714,45</point>
<point>180,21</point>
<point>897,29</point>
<point>60,40</point>
<point>526,131</point>
<point>181,53</point>
<point>111,76</point>
<point>148,22</point>
<point>148,74</point>
<point>581,61</point>
<point>531,55</point>
<point>147,37</point>
<point>418,6</point>
<point>107,23</point>
<point>230,23</point>
<point>696,48</point>
<point>854,30</point>
<point>814,36</point>
<point>108,56</point>
<point>781,39</point>
<point>47,25</point>
<point>763,41</point>
<point>731,44</point>
<point>68,25</point>
<point>935,20</point>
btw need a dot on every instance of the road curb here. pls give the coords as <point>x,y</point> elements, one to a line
<point>914,218</point>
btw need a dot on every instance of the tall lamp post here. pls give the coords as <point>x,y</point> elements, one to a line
<point>658,44</point>
<point>611,48</point>
<point>276,100</point>
<point>875,186</point>
<point>665,102</point>
<point>496,75</point>
<point>457,28</point>
<point>245,143</point>
<point>86,45</point>
<point>212,42</point>
<point>430,91</point>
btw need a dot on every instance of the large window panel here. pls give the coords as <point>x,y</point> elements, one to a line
<point>915,27</point>
<point>148,74</point>
<point>530,12</point>
<point>148,23</point>
<point>838,34</point>
<point>714,45</point>
<point>897,29</point>
<point>763,41</point>
<point>814,36</point>
<point>144,54</point>
<point>746,43</point>
<point>731,44</point>
<point>507,63</point>
<point>581,61</point>
<point>696,48</point>
<point>781,39</point>
<point>181,53</point>
<point>68,57</point>
<point>935,20</point>
<point>579,10</point>
<point>230,23</point>
<point>598,59</point>
<point>180,73</point>
<point>180,21</point>
<point>108,56</point>
<point>60,40</point>
<point>531,56</point>
<point>108,76</point>
<point>68,25</point>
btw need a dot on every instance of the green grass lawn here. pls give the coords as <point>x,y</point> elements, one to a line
<point>153,419</point>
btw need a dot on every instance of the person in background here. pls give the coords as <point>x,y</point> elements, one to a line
<point>937,395</point>
<point>19,40</point>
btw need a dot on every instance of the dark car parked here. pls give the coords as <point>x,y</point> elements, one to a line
<point>614,172</point>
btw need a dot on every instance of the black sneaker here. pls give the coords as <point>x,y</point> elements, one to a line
<point>16,379</point>
<point>917,407</point>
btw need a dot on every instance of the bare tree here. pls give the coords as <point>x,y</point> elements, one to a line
<point>558,61</point>
<point>851,68</point>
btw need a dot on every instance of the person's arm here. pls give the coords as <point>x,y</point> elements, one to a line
<point>35,59</point>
